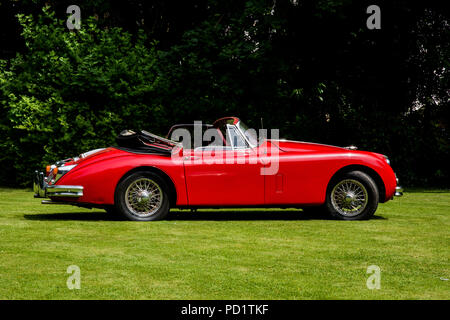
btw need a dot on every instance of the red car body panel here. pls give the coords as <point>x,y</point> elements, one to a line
<point>100,173</point>
<point>225,184</point>
<point>305,169</point>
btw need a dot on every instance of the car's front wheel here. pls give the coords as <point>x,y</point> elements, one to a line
<point>352,196</point>
<point>142,196</point>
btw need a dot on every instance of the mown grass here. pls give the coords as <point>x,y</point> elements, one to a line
<point>225,254</point>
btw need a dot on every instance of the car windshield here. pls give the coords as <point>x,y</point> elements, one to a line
<point>250,134</point>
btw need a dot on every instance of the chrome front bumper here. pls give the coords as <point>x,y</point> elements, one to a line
<point>398,189</point>
<point>43,190</point>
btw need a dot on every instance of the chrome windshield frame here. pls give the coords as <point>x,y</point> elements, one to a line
<point>249,144</point>
<point>239,132</point>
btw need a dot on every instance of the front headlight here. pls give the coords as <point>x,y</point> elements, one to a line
<point>60,171</point>
<point>65,169</point>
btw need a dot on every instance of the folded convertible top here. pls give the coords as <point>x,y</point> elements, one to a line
<point>144,142</point>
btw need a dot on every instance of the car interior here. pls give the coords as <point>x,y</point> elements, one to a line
<point>222,135</point>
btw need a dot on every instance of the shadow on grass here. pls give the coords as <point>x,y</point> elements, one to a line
<point>206,215</point>
<point>422,190</point>
<point>81,216</point>
<point>244,215</point>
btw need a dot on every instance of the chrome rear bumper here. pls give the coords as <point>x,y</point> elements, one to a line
<point>43,190</point>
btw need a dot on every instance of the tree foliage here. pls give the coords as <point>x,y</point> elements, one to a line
<point>310,68</point>
<point>71,91</point>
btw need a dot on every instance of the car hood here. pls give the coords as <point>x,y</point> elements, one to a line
<point>300,146</point>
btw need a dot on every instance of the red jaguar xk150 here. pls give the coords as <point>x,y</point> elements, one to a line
<point>220,165</point>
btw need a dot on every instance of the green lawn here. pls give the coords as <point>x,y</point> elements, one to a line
<point>225,254</point>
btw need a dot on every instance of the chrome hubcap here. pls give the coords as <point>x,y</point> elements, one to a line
<point>143,197</point>
<point>349,197</point>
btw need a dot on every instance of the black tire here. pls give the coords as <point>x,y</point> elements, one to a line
<point>124,207</point>
<point>365,186</point>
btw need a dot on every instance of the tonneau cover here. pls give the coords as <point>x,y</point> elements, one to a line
<point>144,142</point>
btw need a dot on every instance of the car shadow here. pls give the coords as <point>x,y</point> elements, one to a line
<point>187,215</point>
<point>243,215</point>
<point>81,216</point>
<point>249,215</point>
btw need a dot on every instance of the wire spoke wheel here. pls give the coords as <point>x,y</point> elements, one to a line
<point>143,197</point>
<point>349,197</point>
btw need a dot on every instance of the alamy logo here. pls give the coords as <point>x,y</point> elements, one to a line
<point>374,280</point>
<point>74,280</point>
<point>374,20</point>
<point>228,144</point>
<point>74,20</point>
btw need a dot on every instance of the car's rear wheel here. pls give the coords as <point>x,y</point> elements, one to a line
<point>352,196</point>
<point>142,196</point>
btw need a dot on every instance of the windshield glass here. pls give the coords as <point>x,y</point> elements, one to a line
<point>250,134</point>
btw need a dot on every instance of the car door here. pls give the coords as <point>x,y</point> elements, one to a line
<point>227,175</point>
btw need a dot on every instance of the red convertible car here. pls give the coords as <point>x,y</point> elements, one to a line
<point>223,164</point>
